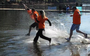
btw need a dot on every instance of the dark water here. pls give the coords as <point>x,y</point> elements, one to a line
<point>13,42</point>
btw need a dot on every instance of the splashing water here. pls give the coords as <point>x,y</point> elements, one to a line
<point>14,42</point>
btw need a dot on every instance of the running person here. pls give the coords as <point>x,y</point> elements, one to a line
<point>41,21</point>
<point>76,23</point>
<point>33,14</point>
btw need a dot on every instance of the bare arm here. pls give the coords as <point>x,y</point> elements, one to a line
<point>25,7</point>
<point>49,22</point>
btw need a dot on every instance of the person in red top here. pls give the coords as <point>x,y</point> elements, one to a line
<point>41,21</point>
<point>76,23</point>
<point>33,14</point>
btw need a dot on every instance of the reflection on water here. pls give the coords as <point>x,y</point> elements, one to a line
<point>74,51</point>
<point>10,20</point>
<point>37,50</point>
<point>15,24</point>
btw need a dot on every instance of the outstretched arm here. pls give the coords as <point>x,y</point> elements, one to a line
<point>49,22</point>
<point>25,7</point>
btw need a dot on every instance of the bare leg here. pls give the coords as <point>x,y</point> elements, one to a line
<point>85,35</point>
<point>71,32</point>
<point>32,26</point>
<point>29,31</point>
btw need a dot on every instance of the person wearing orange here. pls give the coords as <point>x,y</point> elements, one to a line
<point>76,23</point>
<point>33,14</point>
<point>41,21</point>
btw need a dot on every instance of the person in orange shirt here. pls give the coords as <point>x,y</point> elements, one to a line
<point>76,23</point>
<point>33,14</point>
<point>41,21</point>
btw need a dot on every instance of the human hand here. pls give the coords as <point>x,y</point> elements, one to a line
<point>50,24</point>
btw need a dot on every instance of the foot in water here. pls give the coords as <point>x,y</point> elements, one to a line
<point>68,40</point>
<point>28,34</point>
<point>49,41</point>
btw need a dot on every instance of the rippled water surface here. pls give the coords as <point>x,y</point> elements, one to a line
<point>15,24</point>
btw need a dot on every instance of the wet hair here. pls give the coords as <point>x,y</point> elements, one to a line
<point>42,14</point>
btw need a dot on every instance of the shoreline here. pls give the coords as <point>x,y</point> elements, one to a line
<point>24,9</point>
<point>41,9</point>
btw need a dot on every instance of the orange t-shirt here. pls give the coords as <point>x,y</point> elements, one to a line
<point>30,13</point>
<point>76,17</point>
<point>42,22</point>
<point>33,16</point>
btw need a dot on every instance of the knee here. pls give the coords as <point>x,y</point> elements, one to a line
<point>77,30</point>
<point>41,36</point>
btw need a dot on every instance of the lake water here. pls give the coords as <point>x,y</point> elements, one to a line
<point>14,25</point>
